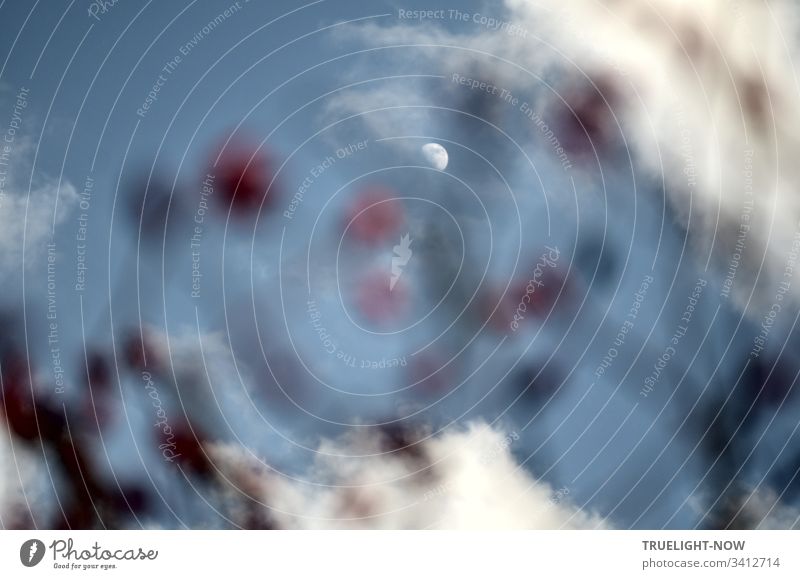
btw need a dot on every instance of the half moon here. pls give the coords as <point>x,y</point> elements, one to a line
<point>436,155</point>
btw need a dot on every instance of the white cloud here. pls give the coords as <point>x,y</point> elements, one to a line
<point>37,223</point>
<point>34,213</point>
<point>764,507</point>
<point>463,479</point>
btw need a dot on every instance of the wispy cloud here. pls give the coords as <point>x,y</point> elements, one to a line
<point>31,207</point>
<point>703,94</point>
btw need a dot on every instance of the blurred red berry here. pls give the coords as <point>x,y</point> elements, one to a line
<point>140,353</point>
<point>378,301</point>
<point>429,374</point>
<point>375,216</point>
<point>184,446</point>
<point>524,300</point>
<point>587,120</point>
<point>98,371</point>
<point>242,177</point>
<point>27,417</point>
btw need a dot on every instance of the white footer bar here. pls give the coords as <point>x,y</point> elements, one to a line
<point>406,554</point>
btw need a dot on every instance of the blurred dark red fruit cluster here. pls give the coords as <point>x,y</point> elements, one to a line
<point>186,448</point>
<point>586,121</point>
<point>523,303</point>
<point>244,176</point>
